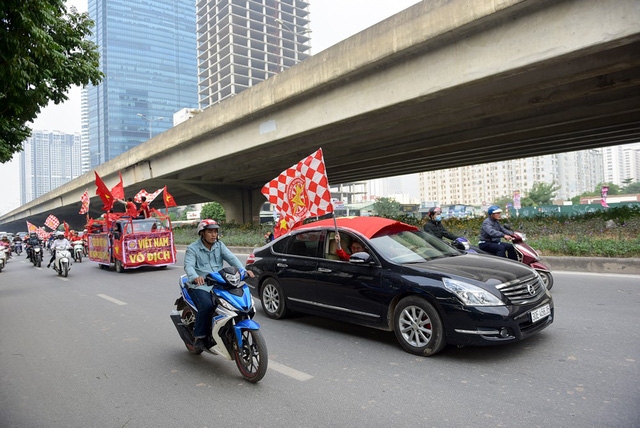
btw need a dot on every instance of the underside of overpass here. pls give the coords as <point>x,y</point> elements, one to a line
<point>440,85</point>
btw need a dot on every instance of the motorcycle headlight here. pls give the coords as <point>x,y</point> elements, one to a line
<point>471,295</point>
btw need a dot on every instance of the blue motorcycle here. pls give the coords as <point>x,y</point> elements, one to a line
<point>236,336</point>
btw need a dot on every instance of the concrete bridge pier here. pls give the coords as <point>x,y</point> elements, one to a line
<point>241,204</point>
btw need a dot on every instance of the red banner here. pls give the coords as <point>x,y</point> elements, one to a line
<point>147,249</point>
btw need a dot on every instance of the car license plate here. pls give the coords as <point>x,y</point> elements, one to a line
<point>541,312</point>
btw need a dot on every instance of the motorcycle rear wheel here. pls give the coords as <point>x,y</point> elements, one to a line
<point>252,358</point>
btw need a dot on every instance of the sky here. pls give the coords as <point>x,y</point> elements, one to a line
<point>331,22</point>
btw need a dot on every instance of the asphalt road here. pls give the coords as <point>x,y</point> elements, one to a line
<point>98,349</point>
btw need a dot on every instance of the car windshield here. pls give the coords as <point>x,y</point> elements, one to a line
<point>412,247</point>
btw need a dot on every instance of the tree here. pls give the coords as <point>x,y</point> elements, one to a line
<point>631,188</point>
<point>44,51</point>
<point>387,207</point>
<point>215,211</point>
<point>541,194</point>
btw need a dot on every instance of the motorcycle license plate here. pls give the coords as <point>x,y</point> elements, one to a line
<point>541,312</point>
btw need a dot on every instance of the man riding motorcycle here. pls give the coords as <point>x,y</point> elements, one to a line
<point>60,243</point>
<point>32,241</point>
<point>492,232</point>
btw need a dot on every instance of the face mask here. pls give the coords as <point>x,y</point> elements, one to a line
<point>438,218</point>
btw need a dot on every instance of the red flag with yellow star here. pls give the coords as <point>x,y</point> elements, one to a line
<point>104,193</point>
<point>168,199</point>
<point>301,191</point>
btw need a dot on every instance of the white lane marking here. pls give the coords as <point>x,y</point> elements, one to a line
<point>288,371</point>
<point>112,300</point>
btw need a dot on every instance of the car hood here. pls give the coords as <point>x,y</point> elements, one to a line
<point>490,270</point>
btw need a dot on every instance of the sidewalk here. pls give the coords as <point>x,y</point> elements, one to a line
<point>612,265</point>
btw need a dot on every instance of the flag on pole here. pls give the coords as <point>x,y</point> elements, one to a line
<point>118,190</point>
<point>31,227</point>
<point>150,196</point>
<point>603,196</point>
<point>42,234</point>
<point>301,191</point>
<point>52,222</point>
<point>85,202</point>
<point>104,193</point>
<point>168,199</point>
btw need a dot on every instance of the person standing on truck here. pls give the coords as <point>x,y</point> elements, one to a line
<point>144,208</point>
<point>205,255</point>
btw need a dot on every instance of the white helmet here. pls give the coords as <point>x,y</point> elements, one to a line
<point>207,223</point>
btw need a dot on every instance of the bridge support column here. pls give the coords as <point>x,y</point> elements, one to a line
<point>242,205</point>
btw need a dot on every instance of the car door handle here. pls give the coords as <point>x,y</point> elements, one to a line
<point>282,265</point>
<point>324,270</point>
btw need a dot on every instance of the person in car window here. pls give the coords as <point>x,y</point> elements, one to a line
<point>355,247</point>
<point>205,255</point>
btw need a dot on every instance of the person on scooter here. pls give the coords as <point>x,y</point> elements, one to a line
<point>434,225</point>
<point>60,243</point>
<point>31,242</point>
<point>205,255</point>
<point>491,234</point>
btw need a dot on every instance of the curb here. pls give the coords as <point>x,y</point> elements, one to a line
<point>625,266</point>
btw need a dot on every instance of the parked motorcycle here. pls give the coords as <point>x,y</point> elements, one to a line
<point>78,250</point>
<point>62,262</point>
<point>526,254</point>
<point>236,336</point>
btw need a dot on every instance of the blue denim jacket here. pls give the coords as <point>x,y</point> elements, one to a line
<point>199,261</point>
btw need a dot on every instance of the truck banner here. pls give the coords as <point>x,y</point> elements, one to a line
<point>145,249</point>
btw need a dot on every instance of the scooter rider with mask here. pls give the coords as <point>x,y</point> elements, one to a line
<point>434,225</point>
<point>491,234</point>
<point>206,255</point>
<point>60,243</point>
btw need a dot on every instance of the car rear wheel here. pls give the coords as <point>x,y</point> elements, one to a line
<point>418,327</point>
<point>273,299</point>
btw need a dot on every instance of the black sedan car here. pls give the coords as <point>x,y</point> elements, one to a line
<point>404,280</point>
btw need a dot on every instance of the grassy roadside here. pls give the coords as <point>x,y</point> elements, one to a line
<point>611,233</point>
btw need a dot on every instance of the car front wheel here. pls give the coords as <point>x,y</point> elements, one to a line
<point>418,327</point>
<point>273,299</point>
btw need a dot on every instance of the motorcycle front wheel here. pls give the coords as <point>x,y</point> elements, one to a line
<point>252,358</point>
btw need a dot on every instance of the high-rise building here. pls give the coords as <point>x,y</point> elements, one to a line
<point>243,42</point>
<point>49,160</point>
<point>148,55</point>
<point>621,163</point>
<point>573,172</point>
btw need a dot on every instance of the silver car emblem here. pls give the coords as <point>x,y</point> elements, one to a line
<point>530,289</point>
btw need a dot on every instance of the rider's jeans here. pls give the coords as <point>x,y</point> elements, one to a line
<point>204,303</point>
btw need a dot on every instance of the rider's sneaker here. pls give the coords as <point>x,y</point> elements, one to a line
<point>49,265</point>
<point>200,345</point>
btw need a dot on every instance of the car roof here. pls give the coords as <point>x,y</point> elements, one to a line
<point>370,227</point>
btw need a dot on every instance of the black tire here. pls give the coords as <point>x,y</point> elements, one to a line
<point>64,267</point>
<point>39,262</point>
<point>547,278</point>
<point>252,358</point>
<point>189,320</point>
<point>273,299</point>
<point>418,327</point>
<point>119,267</point>
<point>79,257</point>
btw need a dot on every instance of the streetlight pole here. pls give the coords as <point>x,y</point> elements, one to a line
<point>150,120</point>
<point>281,23</point>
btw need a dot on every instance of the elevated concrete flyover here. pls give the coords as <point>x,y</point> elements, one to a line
<point>442,84</point>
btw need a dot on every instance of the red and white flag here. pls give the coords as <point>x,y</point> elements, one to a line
<point>42,234</point>
<point>150,196</point>
<point>604,191</point>
<point>31,227</point>
<point>85,202</point>
<point>301,191</point>
<point>52,222</point>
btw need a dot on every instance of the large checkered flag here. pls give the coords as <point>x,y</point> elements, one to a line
<point>52,222</point>
<point>150,196</point>
<point>301,191</point>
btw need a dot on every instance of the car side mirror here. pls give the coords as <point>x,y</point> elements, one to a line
<point>360,258</point>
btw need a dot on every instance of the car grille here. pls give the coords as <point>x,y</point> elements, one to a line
<point>522,291</point>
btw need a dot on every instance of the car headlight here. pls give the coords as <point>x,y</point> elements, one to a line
<point>471,295</point>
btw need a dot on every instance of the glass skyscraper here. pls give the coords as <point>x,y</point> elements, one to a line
<point>148,55</point>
